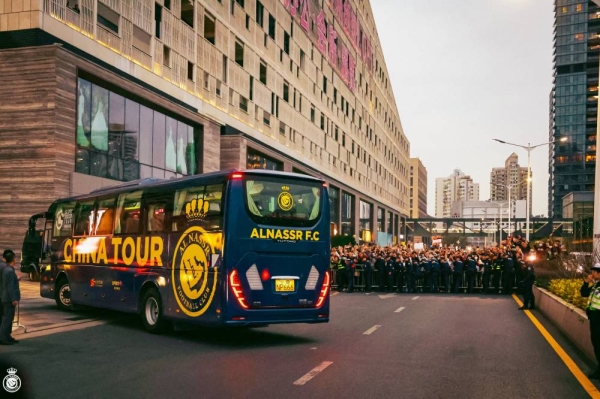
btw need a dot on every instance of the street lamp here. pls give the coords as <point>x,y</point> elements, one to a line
<point>529,148</point>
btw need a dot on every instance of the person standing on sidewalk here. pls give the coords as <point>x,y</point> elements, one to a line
<point>528,273</point>
<point>10,297</point>
<point>591,289</point>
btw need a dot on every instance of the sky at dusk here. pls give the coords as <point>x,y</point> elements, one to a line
<point>465,72</point>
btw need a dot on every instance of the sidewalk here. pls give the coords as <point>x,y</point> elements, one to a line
<point>40,316</point>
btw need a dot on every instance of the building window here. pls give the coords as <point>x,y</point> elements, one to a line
<point>286,91</point>
<point>118,138</point>
<point>166,56</point>
<point>209,28</point>
<point>187,12</point>
<point>266,118</point>
<point>239,53</point>
<point>244,104</point>
<point>282,128</point>
<point>108,18</point>
<point>286,42</point>
<point>272,25</point>
<point>190,71</point>
<point>263,72</point>
<point>258,160</point>
<point>260,12</point>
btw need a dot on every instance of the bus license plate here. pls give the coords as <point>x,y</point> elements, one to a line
<point>284,285</point>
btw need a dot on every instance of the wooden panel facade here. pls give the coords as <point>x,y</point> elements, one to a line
<point>37,131</point>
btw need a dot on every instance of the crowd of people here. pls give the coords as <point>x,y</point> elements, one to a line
<point>497,269</point>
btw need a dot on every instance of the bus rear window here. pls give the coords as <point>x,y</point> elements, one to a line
<point>283,201</point>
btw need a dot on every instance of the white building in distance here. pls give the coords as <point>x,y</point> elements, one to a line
<point>456,187</point>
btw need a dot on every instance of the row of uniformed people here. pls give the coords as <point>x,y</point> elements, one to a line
<point>449,274</point>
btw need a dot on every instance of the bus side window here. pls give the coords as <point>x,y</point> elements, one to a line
<point>156,217</point>
<point>129,214</point>
<point>104,216</point>
<point>84,218</point>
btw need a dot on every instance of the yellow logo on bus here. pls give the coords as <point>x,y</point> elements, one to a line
<point>285,201</point>
<point>193,284</point>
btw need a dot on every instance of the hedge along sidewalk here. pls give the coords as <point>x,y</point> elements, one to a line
<point>568,318</point>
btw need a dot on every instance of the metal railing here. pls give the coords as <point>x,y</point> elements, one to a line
<point>491,283</point>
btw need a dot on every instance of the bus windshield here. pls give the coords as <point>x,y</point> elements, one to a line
<point>282,201</point>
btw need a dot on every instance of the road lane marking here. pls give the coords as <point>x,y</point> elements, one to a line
<point>399,310</point>
<point>415,298</point>
<point>312,373</point>
<point>371,330</point>
<point>581,377</point>
<point>387,296</point>
<point>334,293</point>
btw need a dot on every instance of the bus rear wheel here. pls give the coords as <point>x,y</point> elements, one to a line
<point>62,295</point>
<point>152,312</point>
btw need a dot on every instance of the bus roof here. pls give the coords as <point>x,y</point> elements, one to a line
<point>155,182</point>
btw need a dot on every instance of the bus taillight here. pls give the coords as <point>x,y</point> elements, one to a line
<point>324,290</point>
<point>236,287</point>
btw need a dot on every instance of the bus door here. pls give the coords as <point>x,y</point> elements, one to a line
<point>32,250</point>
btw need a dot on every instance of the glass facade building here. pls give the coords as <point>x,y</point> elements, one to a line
<point>574,101</point>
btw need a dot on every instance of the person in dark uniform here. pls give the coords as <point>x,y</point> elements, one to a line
<point>528,274</point>
<point>340,273</point>
<point>435,275</point>
<point>487,270</point>
<point>350,268</point>
<point>470,272</point>
<point>368,265</point>
<point>10,295</point>
<point>380,267</point>
<point>457,274</point>
<point>508,275</point>
<point>400,273</point>
<point>426,263</point>
<point>445,266</point>
<point>591,289</point>
<point>389,273</point>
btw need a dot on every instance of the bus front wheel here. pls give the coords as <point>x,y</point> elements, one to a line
<point>63,295</point>
<point>152,312</point>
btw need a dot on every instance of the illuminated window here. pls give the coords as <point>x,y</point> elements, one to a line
<point>579,8</point>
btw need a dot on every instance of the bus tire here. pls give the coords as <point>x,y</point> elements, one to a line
<point>62,294</point>
<point>152,312</point>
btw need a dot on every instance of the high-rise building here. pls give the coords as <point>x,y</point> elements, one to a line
<point>511,178</point>
<point>573,100</point>
<point>456,187</point>
<point>418,189</point>
<point>97,92</point>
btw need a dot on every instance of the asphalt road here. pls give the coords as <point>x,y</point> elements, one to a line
<point>401,346</point>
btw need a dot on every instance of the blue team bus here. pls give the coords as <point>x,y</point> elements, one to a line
<point>247,247</point>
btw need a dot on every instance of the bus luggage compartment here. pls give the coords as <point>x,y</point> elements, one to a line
<point>284,281</point>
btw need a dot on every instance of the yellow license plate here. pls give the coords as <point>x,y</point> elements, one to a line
<point>284,285</point>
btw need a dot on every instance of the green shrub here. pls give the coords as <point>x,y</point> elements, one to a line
<point>568,289</point>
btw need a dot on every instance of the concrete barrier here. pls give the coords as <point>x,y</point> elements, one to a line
<point>569,319</point>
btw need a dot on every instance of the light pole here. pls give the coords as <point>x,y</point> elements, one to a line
<point>509,188</point>
<point>529,148</point>
<point>500,226</point>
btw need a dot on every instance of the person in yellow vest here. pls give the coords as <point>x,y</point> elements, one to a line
<point>591,289</point>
